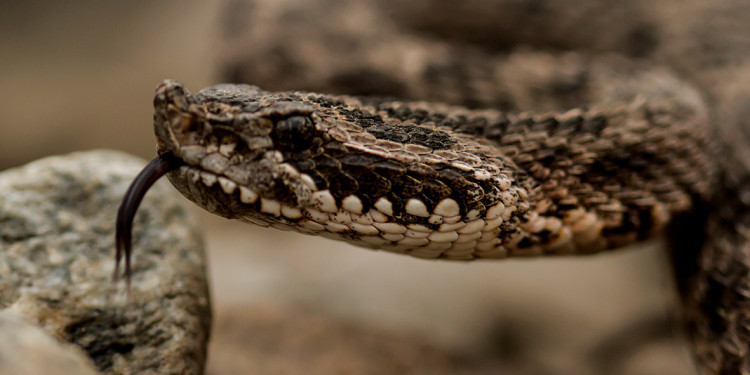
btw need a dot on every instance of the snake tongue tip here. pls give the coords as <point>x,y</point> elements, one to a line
<point>155,169</point>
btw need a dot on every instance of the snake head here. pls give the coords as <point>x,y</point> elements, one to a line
<point>240,139</point>
<point>300,161</point>
<point>366,171</point>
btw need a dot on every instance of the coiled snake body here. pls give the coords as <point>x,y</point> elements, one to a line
<point>639,154</point>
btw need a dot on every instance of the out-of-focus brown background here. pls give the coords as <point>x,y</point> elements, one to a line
<point>79,75</point>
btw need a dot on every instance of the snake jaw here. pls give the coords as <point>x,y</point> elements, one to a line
<point>328,165</point>
<point>154,170</point>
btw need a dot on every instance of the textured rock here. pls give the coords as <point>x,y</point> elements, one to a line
<point>27,349</point>
<point>57,256</point>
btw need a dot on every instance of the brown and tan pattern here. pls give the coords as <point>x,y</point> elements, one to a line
<point>436,181</point>
<point>592,143</point>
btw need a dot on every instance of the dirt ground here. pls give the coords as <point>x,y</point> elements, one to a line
<point>80,75</point>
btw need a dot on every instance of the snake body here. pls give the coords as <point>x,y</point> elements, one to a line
<point>583,152</point>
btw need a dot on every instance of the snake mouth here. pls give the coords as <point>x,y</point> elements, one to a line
<point>153,171</point>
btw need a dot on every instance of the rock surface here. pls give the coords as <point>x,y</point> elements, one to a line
<point>57,220</point>
<point>27,349</point>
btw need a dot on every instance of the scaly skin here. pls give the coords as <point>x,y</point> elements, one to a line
<point>591,153</point>
<point>480,52</point>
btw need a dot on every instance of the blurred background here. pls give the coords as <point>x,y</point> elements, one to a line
<point>80,75</point>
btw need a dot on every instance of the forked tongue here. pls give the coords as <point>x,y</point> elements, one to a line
<point>130,202</point>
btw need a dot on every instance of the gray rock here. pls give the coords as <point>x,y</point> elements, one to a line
<point>27,349</point>
<point>57,220</point>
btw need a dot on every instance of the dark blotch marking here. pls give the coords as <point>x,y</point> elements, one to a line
<point>294,133</point>
<point>326,101</point>
<point>400,133</point>
<point>407,186</point>
<point>525,243</point>
<point>343,185</point>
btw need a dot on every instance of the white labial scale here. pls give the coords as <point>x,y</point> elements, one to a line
<point>443,236</point>
<point>508,212</point>
<point>481,174</point>
<point>274,155</point>
<point>492,224</point>
<point>384,206</point>
<point>535,223</point>
<point>392,236</point>
<point>503,183</point>
<point>419,228</point>
<point>307,180</point>
<point>451,219</point>
<point>451,227</point>
<point>435,219</point>
<point>363,219</point>
<point>352,204</point>
<point>209,179</point>
<point>495,211</point>
<point>324,201</point>
<point>473,214</point>
<point>226,149</point>
<point>472,226</point>
<point>318,216</point>
<point>553,224</point>
<point>392,228</point>
<point>291,212</point>
<point>247,195</point>
<point>367,230</point>
<point>288,170</point>
<point>466,237</point>
<point>414,234</point>
<point>462,166</point>
<point>227,185</point>
<point>341,217</point>
<point>416,207</point>
<point>336,227</point>
<point>377,216</point>
<point>447,207</point>
<point>270,206</point>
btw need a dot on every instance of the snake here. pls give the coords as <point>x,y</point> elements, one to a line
<point>443,151</point>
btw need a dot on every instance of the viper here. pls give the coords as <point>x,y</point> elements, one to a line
<point>637,153</point>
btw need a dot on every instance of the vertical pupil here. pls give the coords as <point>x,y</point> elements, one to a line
<point>295,133</point>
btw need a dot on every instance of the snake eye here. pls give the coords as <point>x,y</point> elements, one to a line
<point>294,133</point>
